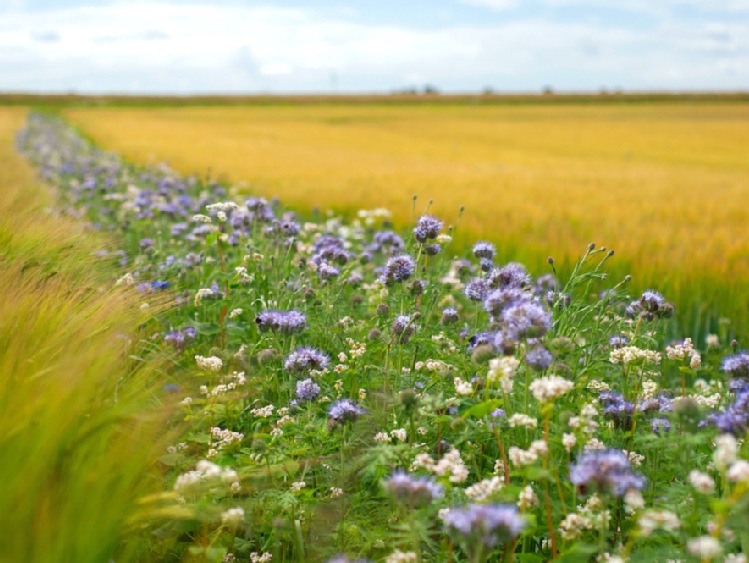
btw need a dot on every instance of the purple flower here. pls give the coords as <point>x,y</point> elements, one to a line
<point>617,408</point>
<point>660,425</point>
<point>344,411</point>
<point>307,390</point>
<point>498,299</point>
<point>538,358</point>
<point>652,301</point>
<point>427,227</point>
<point>398,269</point>
<point>511,275</point>
<point>526,320</point>
<point>287,322</point>
<point>449,316</point>
<point>737,365</point>
<point>484,249</point>
<point>605,471</point>
<point>476,289</point>
<point>403,327</point>
<point>305,359</point>
<point>328,272</point>
<point>412,491</point>
<point>483,526</point>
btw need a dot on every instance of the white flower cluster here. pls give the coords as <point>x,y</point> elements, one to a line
<point>222,206</point>
<point>520,420</point>
<point>398,434</point>
<point>684,351</point>
<point>263,412</point>
<point>450,464</point>
<point>463,387</point>
<point>211,363</point>
<point>200,218</point>
<point>738,472</point>
<point>502,370</point>
<point>256,557</point>
<point>651,520</point>
<point>520,457</point>
<point>631,354</point>
<point>527,498</point>
<point>225,437</point>
<point>705,547</point>
<point>585,422</point>
<point>547,389</point>
<point>484,489</point>
<point>399,556</point>
<point>726,450</point>
<point>233,516</point>
<point>702,482</point>
<point>357,349</point>
<point>204,472</point>
<point>573,525</point>
<point>297,486</point>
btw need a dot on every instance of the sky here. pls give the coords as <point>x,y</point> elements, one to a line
<point>199,46</point>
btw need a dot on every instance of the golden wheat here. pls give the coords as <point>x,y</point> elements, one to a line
<point>666,185</point>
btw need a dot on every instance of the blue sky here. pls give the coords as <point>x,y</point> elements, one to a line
<point>373,46</point>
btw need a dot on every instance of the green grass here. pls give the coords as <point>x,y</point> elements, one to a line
<point>81,420</point>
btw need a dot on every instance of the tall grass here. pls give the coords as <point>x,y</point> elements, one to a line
<point>661,184</point>
<point>81,420</point>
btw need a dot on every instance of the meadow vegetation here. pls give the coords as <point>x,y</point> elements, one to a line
<point>664,184</point>
<point>343,391</point>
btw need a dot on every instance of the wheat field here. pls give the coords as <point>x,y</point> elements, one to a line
<point>665,185</point>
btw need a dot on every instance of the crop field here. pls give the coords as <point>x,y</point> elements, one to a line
<point>191,374</point>
<point>664,184</point>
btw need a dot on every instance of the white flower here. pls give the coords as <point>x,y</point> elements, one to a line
<point>503,370</point>
<point>203,292</point>
<point>573,525</point>
<point>527,498</point>
<point>653,519</point>
<point>297,486</point>
<point>631,354</point>
<point>400,434</point>
<point>735,558</point>
<point>713,341</point>
<point>520,457</point>
<point>484,489</point>
<point>336,492</point>
<point>233,516</point>
<point>263,412</point>
<point>702,482</point>
<point>725,451</point>
<point>704,547</point>
<point>199,218</point>
<point>738,472</point>
<point>258,558</point>
<point>522,420</point>
<point>463,387</point>
<point>211,363</point>
<point>235,313</point>
<point>399,556</point>
<point>382,437</point>
<point>568,441</point>
<point>549,388</point>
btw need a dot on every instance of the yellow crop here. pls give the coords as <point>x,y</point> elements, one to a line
<point>665,185</point>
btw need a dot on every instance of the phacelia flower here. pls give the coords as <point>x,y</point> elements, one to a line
<point>605,471</point>
<point>410,490</point>
<point>483,526</point>
<point>307,390</point>
<point>287,322</point>
<point>305,359</point>
<point>344,411</point>
<point>427,227</point>
<point>398,269</point>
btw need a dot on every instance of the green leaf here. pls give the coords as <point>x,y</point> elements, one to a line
<point>482,409</point>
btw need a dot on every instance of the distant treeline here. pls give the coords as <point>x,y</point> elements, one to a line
<point>547,97</point>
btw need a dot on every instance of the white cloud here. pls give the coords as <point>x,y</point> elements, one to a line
<point>163,47</point>
<point>493,4</point>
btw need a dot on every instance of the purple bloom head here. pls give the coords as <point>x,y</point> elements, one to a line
<point>483,526</point>
<point>328,272</point>
<point>605,471</point>
<point>476,289</point>
<point>484,249</point>
<point>538,358</point>
<point>660,426</point>
<point>427,227</point>
<point>287,322</point>
<point>736,366</point>
<point>652,301</point>
<point>511,275</point>
<point>307,390</point>
<point>306,359</point>
<point>526,319</point>
<point>412,491</point>
<point>398,269</point>
<point>344,411</point>
<point>449,316</point>
<point>403,327</point>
